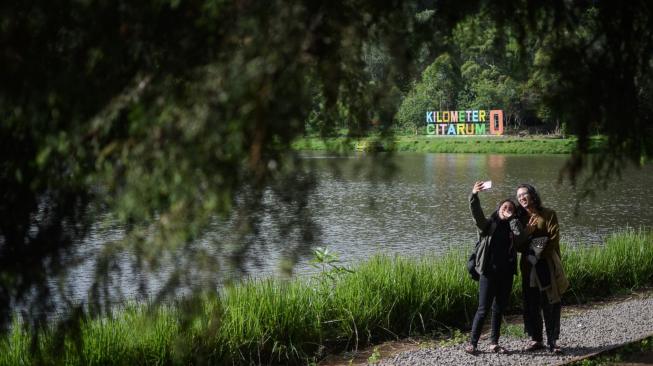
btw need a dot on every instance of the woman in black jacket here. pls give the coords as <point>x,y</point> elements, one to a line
<point>496,263</point>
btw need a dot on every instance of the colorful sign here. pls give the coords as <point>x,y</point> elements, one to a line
<point>465,122</point>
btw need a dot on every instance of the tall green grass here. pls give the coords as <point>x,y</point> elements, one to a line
<point>299,320</point>
<point>624,262</point>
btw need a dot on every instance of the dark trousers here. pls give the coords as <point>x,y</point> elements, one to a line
<point>536,305</point>
<point>493,290</point>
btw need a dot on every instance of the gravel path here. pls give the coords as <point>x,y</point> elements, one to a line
<point>581,334</point>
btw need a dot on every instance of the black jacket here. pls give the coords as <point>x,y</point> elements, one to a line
<point>486,229</point>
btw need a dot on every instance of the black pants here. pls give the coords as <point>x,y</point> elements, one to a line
<point>536,304</point>
<point>493,290</point>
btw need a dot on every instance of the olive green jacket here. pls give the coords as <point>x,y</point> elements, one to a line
<point>547,225</point>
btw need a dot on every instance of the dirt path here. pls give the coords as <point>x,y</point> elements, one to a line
<point>585,330</point>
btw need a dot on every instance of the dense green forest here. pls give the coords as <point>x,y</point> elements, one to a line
<point>483,69</point>
<point>482,64</point>
<point>161,117</point>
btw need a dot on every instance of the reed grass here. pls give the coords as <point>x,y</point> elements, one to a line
<point>623,263</point>
<point>299,320</point>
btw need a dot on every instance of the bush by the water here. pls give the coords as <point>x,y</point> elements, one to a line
<point>297,321</point>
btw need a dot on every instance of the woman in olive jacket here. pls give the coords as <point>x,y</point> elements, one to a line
<point>496,264</point>
<point>542,287</point>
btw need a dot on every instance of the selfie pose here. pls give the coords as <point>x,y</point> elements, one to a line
<point>495,263</point>
<point>543,279</point>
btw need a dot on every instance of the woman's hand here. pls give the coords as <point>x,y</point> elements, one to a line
<point>478,186</point>
<point>532,223</point>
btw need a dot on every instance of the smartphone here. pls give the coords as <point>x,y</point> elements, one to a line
<point>487,185</point>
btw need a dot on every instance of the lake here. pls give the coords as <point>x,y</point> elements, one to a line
<point>421,209</point>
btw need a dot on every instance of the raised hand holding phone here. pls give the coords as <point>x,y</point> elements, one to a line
<point>479,186</point>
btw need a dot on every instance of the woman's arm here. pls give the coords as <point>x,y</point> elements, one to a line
<point>553,232</point>
<point>477,212</point>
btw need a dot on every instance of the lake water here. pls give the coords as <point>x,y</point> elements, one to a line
<point>421,209</point>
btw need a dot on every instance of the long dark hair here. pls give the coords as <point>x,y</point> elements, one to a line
<point>495,214</point>
<point>537,202</point>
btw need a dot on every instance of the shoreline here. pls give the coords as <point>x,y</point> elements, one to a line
<point>504,144</point>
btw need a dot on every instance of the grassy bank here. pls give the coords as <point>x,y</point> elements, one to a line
<point>425,144</point>
<point>297,321</point>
